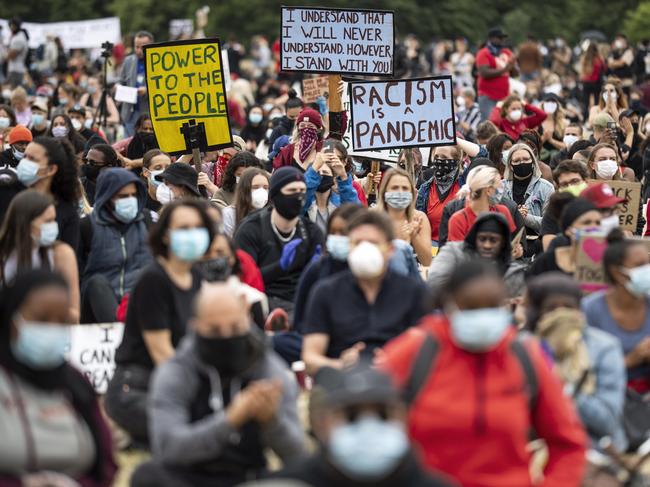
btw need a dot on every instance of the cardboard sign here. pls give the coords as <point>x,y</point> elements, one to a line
<point>324,40</point>
<point>312,88</point>
<point>185,81</point>
<point>404,113</point>
<point>92,351</point>
<point>589,261</point>
<point>628,212</point>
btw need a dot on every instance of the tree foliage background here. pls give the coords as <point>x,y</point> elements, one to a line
<point>426,18</point>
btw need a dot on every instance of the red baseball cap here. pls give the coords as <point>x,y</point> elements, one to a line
<point>601,195</point>
<point>310,115</point>
<point>20,133</point>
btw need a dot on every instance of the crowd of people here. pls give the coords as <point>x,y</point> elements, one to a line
<point>429,308</point>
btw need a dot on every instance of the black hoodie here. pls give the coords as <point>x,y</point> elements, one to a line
<point>505,256</point>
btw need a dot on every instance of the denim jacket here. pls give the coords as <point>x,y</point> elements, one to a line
<point>537,195</point>
<point>346,192</point>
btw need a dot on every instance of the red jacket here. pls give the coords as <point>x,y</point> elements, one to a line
<point>249,273</point>
<point>514,129</point>
<point>472,417</point>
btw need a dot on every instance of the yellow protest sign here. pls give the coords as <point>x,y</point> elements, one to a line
<point>185,82</point>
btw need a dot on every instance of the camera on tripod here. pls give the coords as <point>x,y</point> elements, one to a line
<point>107,49</point>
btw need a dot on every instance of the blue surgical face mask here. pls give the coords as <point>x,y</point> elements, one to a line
<point>152,178</point>
<point>4,122</point>
<point>399,200</point>
<point>63,101</point>
<point>504,155</point>
<point>255,118</point>
<point>18,154</point>
<point>358,167</point>
<point>27,171</point>
<point>639,283</point>
<point>189,245</point>
<point>338,246</point>
<point>368,449</point>
<point>496,198</point>
<point>37,119</point>
<point>88,123</point>
<point>41,346</point>
<point>479,330</point>
<point>126,209</point>
<point>49,234</point>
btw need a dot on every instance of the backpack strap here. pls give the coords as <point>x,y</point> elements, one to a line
<point>532,384</point>
<point>422,366</point>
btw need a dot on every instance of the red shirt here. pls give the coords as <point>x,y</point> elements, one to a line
<point>494,88</point>
<point>435,207</point>
<point>597,69</point>
<point>462,221</point>
<point>515,129</point>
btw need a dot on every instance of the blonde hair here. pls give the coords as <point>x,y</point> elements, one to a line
<point>390,174</point>
<point>507,173</point>
<point>478,179</point>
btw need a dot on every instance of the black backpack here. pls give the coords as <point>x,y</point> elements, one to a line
<point>426,356</point>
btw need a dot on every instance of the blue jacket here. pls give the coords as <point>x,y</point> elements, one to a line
<point>117,251</point>
<point>602,411</point>
<point>346,192</point>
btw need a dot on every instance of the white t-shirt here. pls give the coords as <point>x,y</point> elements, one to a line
<point>18,43</point>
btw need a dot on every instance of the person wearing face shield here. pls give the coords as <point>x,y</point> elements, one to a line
<point>113,248</point>
<point>622,309</point>
<point>455,369</point>
<point>358,418</point>
<point>589,361</point>
<point>19,137</point>
<point>221,400</point>
<point>353,313</point>
<point>44,401</point>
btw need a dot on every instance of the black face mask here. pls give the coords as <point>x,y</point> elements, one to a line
<point>326,184</point>
<point>288,206</point>
<point>147,139</point>
<point>444,167</point>
<point>231,356</point>
<point>216,269</point>
<point>523,171</point>
<point>90,172</point>
<point>635,127</point>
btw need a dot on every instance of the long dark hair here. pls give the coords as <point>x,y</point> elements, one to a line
<point>241,159</point>
<point>157,234</point>
<point>495,147</point>
<point>73,136</point>
<point>65,186</point>
<point>243,199</point>
<point>16,230</point>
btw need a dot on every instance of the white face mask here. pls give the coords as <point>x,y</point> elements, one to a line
<point>259,198</point>
<point>610,223</point>
<point>569,140</point>
<point>607,94</point>
<point>606,169</point>
<point>460,101</point>
<point>76,124</point>
<point>164,194</point>
<point>549,106</point>
<point>366,261</point>
<point>515,115</point>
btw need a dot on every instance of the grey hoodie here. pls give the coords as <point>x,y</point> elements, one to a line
<point>176,441</point>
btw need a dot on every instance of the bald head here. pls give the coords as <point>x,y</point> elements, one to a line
<point>220,312</point>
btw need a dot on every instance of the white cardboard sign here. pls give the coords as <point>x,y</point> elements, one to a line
<point>323,40</point>
<point>402,113</point>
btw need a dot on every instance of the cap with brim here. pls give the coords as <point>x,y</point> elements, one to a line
<point>601,120</point>
<point>181,174</point>
<point>40,104</point>
<point>629,112</point>
<point>602,195</point>
<point>497,32</point>
<point>78,109</point>
<point>359,385</point>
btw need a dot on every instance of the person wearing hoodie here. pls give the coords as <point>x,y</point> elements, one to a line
<point>488,239</point>
<point>113,247</point>
<point>97,158</point>
<point>221,400</point>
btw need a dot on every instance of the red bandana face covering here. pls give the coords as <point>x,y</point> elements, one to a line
<point>308,139</point>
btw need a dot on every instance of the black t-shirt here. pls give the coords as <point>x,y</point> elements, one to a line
<point>550,225</point>
<point>338,308</point>
<point>152,204</point>
<point>67,216</point>
<point>156,303</point>
<point>256,236</point>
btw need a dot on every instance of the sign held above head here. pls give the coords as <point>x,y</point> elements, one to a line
<point>325,40</point>
<point>186,87</point>
<point>402,113</point>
